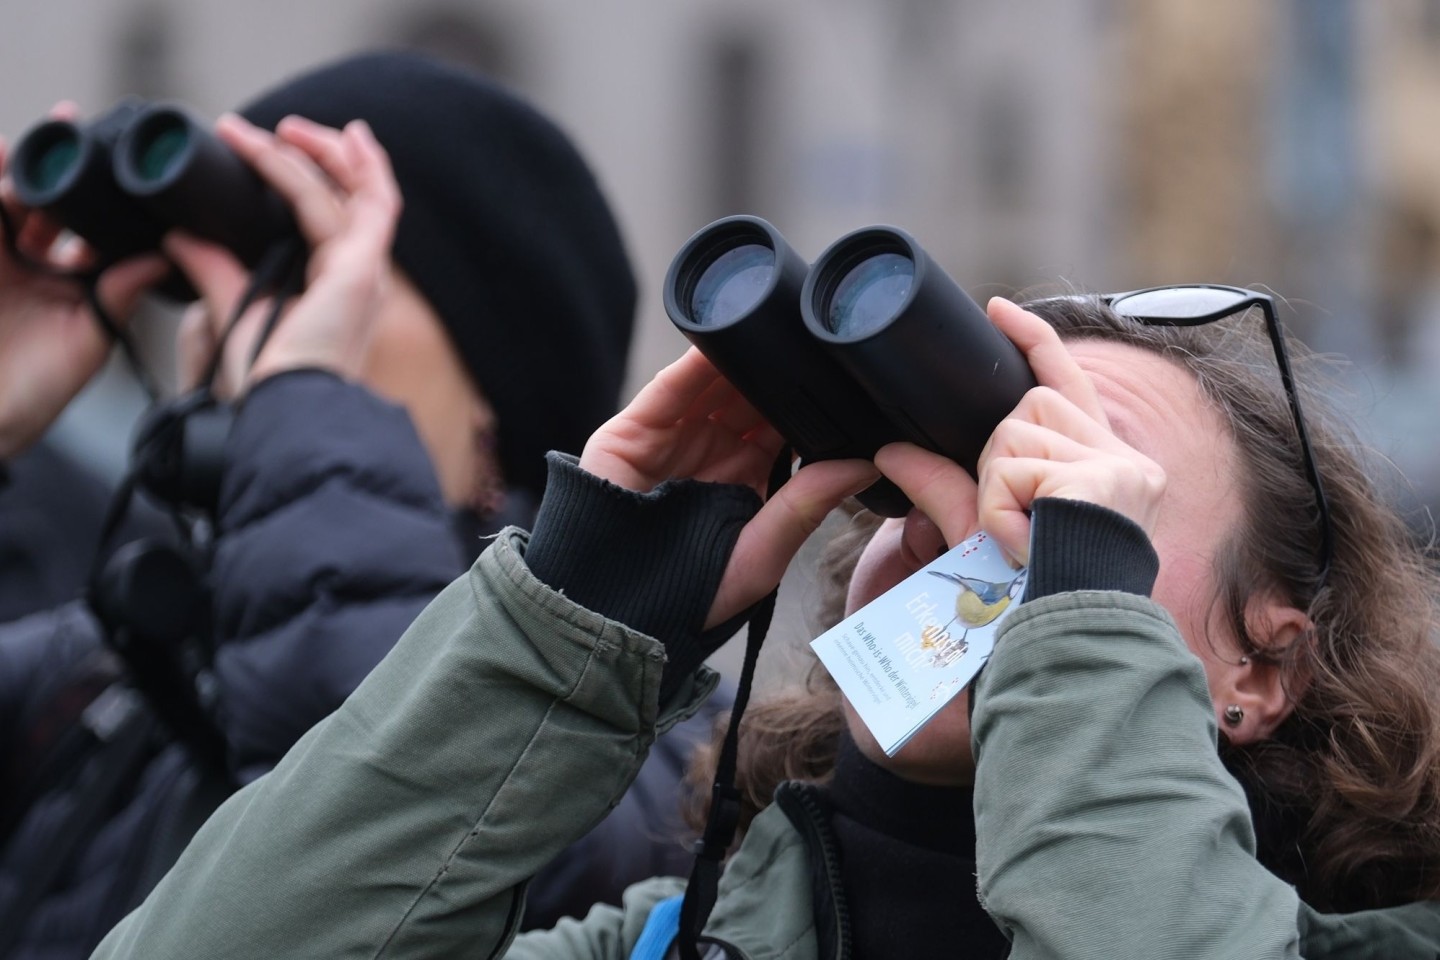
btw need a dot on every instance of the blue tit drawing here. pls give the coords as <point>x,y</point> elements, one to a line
<point>979,602</point>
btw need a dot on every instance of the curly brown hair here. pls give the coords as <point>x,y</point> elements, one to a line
<point>1346,793</point>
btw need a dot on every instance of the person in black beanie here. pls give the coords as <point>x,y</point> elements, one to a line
<point>358,479</point>
<point>507,238</point>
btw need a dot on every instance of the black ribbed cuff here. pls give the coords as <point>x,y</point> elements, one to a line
<point>1075,545</point>
<point>652,561</point>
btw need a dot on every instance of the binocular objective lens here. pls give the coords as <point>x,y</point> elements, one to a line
<point>50,165</point>
<point>732,284</point>
<point>870,295</point>
<point>157,152</point>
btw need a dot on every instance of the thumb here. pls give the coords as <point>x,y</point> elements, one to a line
<point>195,344</point>
<point>122,286</point>
<point>774,535</point>
<point>214,272</point>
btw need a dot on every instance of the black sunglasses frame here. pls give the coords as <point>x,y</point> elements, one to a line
<point>1245,300</point>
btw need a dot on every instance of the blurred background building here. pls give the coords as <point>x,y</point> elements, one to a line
<point>1291,144</point>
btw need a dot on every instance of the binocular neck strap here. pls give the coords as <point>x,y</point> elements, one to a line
<point>724,815</point>
<point>282,270</point>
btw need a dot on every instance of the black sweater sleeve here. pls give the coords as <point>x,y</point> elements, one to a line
<point>1076,545</point>
<point>652,561</point>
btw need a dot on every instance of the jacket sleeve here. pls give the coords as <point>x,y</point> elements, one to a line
<point>504,724</point>
<point>1148,847</point>
<point>332,535</point>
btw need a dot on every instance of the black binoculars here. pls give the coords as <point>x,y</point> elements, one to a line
<point>124,179</point>
<point>874,343</point>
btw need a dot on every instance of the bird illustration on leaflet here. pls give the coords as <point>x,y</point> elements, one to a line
<point>900,658</point>
<point>979,602</point>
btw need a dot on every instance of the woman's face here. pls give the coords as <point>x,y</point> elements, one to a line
<point>1156,407</point>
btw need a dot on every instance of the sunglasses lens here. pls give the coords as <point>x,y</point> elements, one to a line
<point>1181,303</point>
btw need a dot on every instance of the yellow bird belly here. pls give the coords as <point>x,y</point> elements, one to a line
<point>973,612</point>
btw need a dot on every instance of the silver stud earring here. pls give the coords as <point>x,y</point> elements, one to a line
<point>1233,715</point>
<point>1244,660</point>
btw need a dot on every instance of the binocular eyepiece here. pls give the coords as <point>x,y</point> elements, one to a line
<point>873,344</point>
<point>125,178</point>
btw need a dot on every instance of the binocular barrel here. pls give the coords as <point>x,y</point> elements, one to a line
<point>914,341</point>
<point>873,343</point>
<point>66,169</point>
<point>734,291</point>
<point>140,169</point>
<point>186,176</point>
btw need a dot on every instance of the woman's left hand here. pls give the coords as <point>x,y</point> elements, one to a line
<point>690,422</point>
<point>1056,443</point>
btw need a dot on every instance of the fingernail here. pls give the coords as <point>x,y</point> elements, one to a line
<point>362,130</point>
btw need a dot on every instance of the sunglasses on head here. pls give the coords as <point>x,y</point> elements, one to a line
<point>1196,304</point>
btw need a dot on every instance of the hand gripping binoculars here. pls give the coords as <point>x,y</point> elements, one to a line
<point>873,344</point>
<point>124,179</point>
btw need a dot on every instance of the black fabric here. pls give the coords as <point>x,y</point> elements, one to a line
<point>49,658</point>
<point>904,848</point>
<point>812,814</point>
<point>51,513</point>
<point>652,561</point>
<point>332,536</point>
<point>326,552</point>
<point>505,232</point>
<point>50,516</point>
<point>1280,824</point>
<point>1075,545</point>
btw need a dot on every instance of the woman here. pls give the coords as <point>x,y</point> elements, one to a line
<point>1345,788</point>
<point>520,704</point>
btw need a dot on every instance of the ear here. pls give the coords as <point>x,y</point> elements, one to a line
<point>1256,684</point>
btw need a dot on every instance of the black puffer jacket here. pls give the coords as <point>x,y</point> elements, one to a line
<point>331,536</point>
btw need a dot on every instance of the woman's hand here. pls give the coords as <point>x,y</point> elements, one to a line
<point>51,344</point>
<point>689,422</point>
<point>1056,443</point>
<point>346,203</point>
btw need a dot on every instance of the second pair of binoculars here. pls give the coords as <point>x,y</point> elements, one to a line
<point>872,344</point>
<point>124,179</point>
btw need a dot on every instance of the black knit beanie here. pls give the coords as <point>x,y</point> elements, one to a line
<point>504,231</point>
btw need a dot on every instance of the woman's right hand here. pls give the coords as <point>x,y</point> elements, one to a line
<point>1056,443</point>
<point>690,422</point>
<point>346,203</point>
<point>51,344</point>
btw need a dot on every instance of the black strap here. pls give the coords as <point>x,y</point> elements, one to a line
<point>155,669</point>
<point>724,817</point>
<point>281,269</point>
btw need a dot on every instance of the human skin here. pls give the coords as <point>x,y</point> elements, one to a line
<point>51,344</point>
<point>411,361</point>
<point>401,350</point>
<point>1108,424</point>
<point>1142,440</point>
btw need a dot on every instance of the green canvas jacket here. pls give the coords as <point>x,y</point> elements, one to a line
<point>508,720</point>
